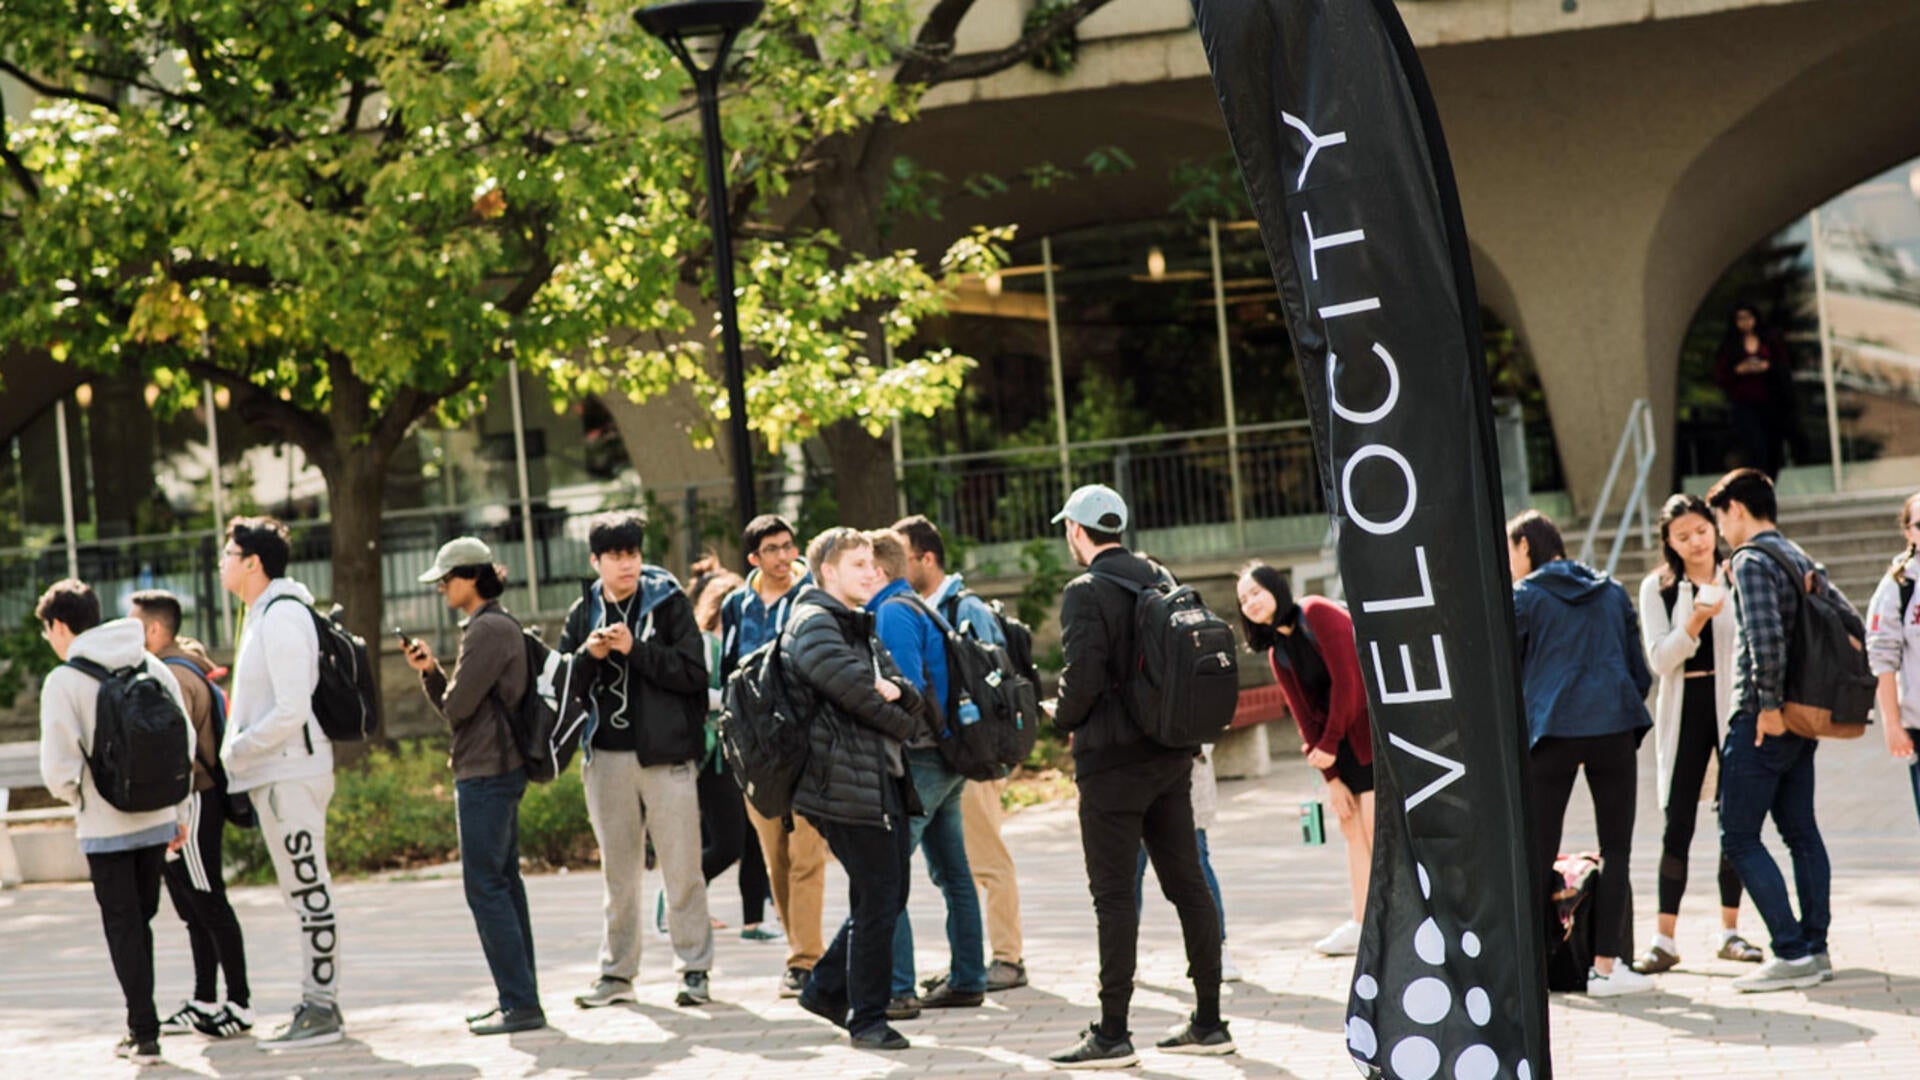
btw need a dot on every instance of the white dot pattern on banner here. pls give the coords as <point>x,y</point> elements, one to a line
<point>1525,1072</point>
<point>1427,1001</point>
<point>1476,1063</point>
<point>1361,1038</point>
<point>1430,943</point>
<point>1367,987</point>
<point>1426,884</point>
<point>1479,1008</point>
<point>1415,1058</point>
<point>1470,943</point>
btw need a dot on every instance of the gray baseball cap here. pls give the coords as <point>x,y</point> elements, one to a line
<point>455,553</point>
<point>1095,506</point>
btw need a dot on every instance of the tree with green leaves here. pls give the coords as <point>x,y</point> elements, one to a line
<point>355,215</point>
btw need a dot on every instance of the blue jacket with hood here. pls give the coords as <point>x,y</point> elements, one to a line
<point>660,686</point>
<point>1581,666</point>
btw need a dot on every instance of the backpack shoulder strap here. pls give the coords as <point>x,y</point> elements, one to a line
<point>92,668</point>
<point>1134,587</point>
<point>1793,573</point>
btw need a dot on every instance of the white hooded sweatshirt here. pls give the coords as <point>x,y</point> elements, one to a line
<point>67,701</point>
<point>271,731</point>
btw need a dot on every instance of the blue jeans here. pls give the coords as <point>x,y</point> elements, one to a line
<point>488,808</point>
<point>940,834</point>
<point>1206,868</point>
<point>1776,778</point>
<point>1913,771</point>
<point>853,975</point>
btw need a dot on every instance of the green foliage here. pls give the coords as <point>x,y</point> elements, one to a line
<point>25,658</point>
<point>1047,573</point>
<point>1057,57</point>
<point>394,809</point>
<point>1209,189</point>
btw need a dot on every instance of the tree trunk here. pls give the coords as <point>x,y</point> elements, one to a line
<point>862,476</point>
<point>356,490</point>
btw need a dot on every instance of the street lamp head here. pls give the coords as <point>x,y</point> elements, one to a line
<point>684,22</point>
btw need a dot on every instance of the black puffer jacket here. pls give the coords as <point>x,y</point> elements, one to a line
<point>856,735</point>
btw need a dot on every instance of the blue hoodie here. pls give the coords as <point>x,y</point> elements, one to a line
<point>917,639</point>
<point>1581,666</point>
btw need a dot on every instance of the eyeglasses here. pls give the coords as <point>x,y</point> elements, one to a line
<point>787,548</point>
<point>231,553</point>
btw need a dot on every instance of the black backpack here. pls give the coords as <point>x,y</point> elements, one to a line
<point>139,759</point>
<point>1829,687</point>
<point>991,717</point>
<point>1186,683</point>
<point>344,700</point>
<point>1018,635</point>
<point>546,725</point>
<point>764,718</point>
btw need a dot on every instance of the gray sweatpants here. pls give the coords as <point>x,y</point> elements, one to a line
<point>293,821</point>
<point>627,801</point>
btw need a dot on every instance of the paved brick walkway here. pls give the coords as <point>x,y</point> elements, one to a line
<point>412,968</point>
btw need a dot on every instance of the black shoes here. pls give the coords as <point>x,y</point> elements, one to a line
<point>507,1021</point>
<point>880,1038</point>
<point>903,1007</point>
<point>1191,1038</point>
<point>793,981</point>
<point>944,996</point>
<point>1096,1051</point>
<point>833,1012</point>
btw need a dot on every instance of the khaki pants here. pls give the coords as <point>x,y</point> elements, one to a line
<point>992,864</point>
<point>626,801</point>
<point>797,872</point>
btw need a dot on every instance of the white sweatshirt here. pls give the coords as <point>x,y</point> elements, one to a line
<point>274,674</point>
<point>67,701</point>
<point>1893,643</point>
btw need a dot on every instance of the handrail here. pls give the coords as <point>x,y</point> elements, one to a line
<point>1636,435</point>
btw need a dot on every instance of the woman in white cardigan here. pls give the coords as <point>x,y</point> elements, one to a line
<point>1687,627</point>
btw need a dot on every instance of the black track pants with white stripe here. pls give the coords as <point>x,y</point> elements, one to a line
<point>200,896</point>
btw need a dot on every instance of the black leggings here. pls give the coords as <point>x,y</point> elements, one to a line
<point>1699,744</point>
<point>727,837</point>
<point>200,896</point>
<point>1611,778</point>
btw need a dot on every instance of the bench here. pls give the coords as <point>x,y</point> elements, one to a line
<point>20,768</point>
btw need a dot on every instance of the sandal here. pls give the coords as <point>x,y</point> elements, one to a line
<point>1656,961</point>
<point>1740,949</point>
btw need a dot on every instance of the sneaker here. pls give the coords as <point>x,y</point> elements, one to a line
<point>1191,1038</point>
<point>229,1021</point>
<point>1825,964</point>
<point>945,996</point>
<point>607,991</point>
<point>793,981</point>
<point>508,1021</point>
<point>903,1006</point>
<point>1656,961</point>
<point>140,1053</point>
<point>1778,974</point>
<point>1739,949</point>
<point>1229,971</point>
<point>833,1012</point>
<point>1096,1051</point>
<point>1005,975</point>
<point>185,1019</point>
<point>1344,941</point>
<point>693,990</point>
<point>312,1025</point>
<point>880,1038</point>
<point>1623,981</point>
<point>761,934</point>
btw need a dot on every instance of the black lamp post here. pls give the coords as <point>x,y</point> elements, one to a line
<point>721,21</point>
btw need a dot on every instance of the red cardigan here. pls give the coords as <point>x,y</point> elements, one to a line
<point>1345,718</point>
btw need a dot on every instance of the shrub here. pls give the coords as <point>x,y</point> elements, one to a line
<point>554,830</point>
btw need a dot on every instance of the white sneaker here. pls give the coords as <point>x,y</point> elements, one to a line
<point>1344,941</point>
<point>1623,981</point>
<point>1229,972</point>
<point>1778,974</point>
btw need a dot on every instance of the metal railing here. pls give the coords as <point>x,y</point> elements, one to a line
<point>1636,436</point>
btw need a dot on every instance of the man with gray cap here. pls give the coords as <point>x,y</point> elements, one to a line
<point>489,776</point>
<point>1133,791</point>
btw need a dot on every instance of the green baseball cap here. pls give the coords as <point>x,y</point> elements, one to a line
<point>455,553</point>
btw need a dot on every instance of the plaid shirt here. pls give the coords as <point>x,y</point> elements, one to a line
<point>1765,604</point>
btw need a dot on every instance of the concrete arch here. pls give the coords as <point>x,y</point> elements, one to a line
<point>1839,122</point>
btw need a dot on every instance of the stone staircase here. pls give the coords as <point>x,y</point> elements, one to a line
<point>1852,534</point>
